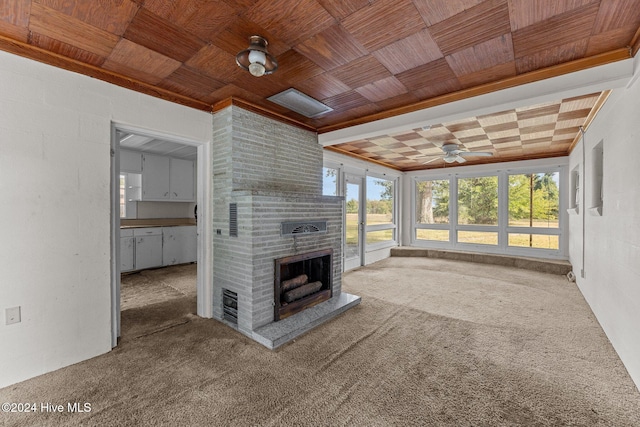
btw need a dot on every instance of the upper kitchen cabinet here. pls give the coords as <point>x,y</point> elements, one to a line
<point>167,179</point>
<point>156,181</point>
<point>182,184</point>
<point>130,161</point>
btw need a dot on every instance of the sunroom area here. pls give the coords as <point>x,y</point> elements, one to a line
<point>517,210</point>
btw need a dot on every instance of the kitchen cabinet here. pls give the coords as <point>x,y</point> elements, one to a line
<point>156,183</point>
<point>179,244</point>
<point>167,179</point>
<point>127,249</point>
<point>148,247</point>
<point>130,161</point>
<point>182,180</point>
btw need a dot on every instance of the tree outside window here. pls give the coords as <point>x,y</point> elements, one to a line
<point>534,200</point>
<point>329,181</point>
<point>432,202</point>
<point>478,200</point>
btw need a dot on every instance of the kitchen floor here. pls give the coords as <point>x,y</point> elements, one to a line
<point>147,287</point>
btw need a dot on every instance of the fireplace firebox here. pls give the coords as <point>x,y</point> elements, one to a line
<point>302,281</point>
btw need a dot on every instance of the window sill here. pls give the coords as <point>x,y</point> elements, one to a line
<point>595,211</point>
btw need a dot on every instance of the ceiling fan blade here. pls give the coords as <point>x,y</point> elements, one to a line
<point>432,160</point>
<point>475,153</point>
<point>460,159</point>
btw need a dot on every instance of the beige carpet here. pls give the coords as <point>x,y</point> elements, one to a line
<point>148,287</point>
<point>433,343</point>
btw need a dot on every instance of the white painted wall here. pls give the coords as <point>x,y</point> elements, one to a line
<point>55,216</point>
<point>611,282</point>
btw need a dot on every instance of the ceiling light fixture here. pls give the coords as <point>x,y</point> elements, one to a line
<point>256,59</point>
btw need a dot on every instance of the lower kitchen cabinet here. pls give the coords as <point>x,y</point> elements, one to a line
<point>179,245</point>
<point>148,247</point>
<point>127,250</point>
<point>151,247</point>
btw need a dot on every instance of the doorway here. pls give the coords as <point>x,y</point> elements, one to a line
<point>354,221</point>
<point>204,254</point>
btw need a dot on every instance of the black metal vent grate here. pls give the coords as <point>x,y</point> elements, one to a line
<point>230,306</point>
<point>233,219</point>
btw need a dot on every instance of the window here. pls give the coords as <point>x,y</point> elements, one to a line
<point>534,200</point>
<point>130,193</point>
<point>534,204</point>
<point>123,196</point>
<point>478,210</point>
<point>329,181</point>
<point>478,200</point>
<point>352,220</point>
<point>432,210</point>
<point>380,213</point>
<point>508,211</point>
<point>432,205</point>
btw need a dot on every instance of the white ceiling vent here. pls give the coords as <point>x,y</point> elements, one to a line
<point>303,104</point>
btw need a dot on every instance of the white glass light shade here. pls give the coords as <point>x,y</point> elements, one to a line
<point>257,56</point>
<point>256,69</point>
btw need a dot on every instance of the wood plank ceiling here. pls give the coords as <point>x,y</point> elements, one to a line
<point>366,59</point>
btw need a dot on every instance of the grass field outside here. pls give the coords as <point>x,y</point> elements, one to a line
<point>372,236</point>
<point>525,240</point>
<point>539,241</point>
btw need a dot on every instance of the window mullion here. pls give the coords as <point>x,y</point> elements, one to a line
<point>503,210</point>
<point>453,210</point>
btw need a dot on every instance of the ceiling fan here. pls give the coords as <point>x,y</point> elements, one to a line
<point>453,153</point>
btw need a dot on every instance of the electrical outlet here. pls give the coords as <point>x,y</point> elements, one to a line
<point>12,315</point>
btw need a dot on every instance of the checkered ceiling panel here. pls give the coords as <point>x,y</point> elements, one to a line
<point>544,130</point>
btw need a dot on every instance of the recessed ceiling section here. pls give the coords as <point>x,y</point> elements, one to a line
<point>148,144</point>
<point>297,101</point>
<point>543,130</point>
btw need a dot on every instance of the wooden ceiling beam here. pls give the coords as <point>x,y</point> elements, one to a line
<point>364,159</point>
<point>635,43</point>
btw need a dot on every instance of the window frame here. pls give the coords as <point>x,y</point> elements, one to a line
<point>536,230</point>
<point>414,221</point>
<point>122,194</point>
<point>393,225</point>
<point>486,228</point>
<point>338,179</point>
<point>502,228</point>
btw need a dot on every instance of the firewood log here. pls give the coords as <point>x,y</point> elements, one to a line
<point>302,291</point>
<point>296,282</point>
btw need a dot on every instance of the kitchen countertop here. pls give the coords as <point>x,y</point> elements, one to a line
<point>156,222</point>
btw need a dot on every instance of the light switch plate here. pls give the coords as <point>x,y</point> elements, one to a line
<point>12,315</point>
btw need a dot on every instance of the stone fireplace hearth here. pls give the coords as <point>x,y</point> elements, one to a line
<point>268,175</point>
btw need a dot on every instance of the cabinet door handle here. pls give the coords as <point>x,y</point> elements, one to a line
<point>166,194</point>
<point>175,194</point>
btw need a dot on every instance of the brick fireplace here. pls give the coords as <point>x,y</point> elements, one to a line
<point>302,281</point>
<point>267,176</point>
